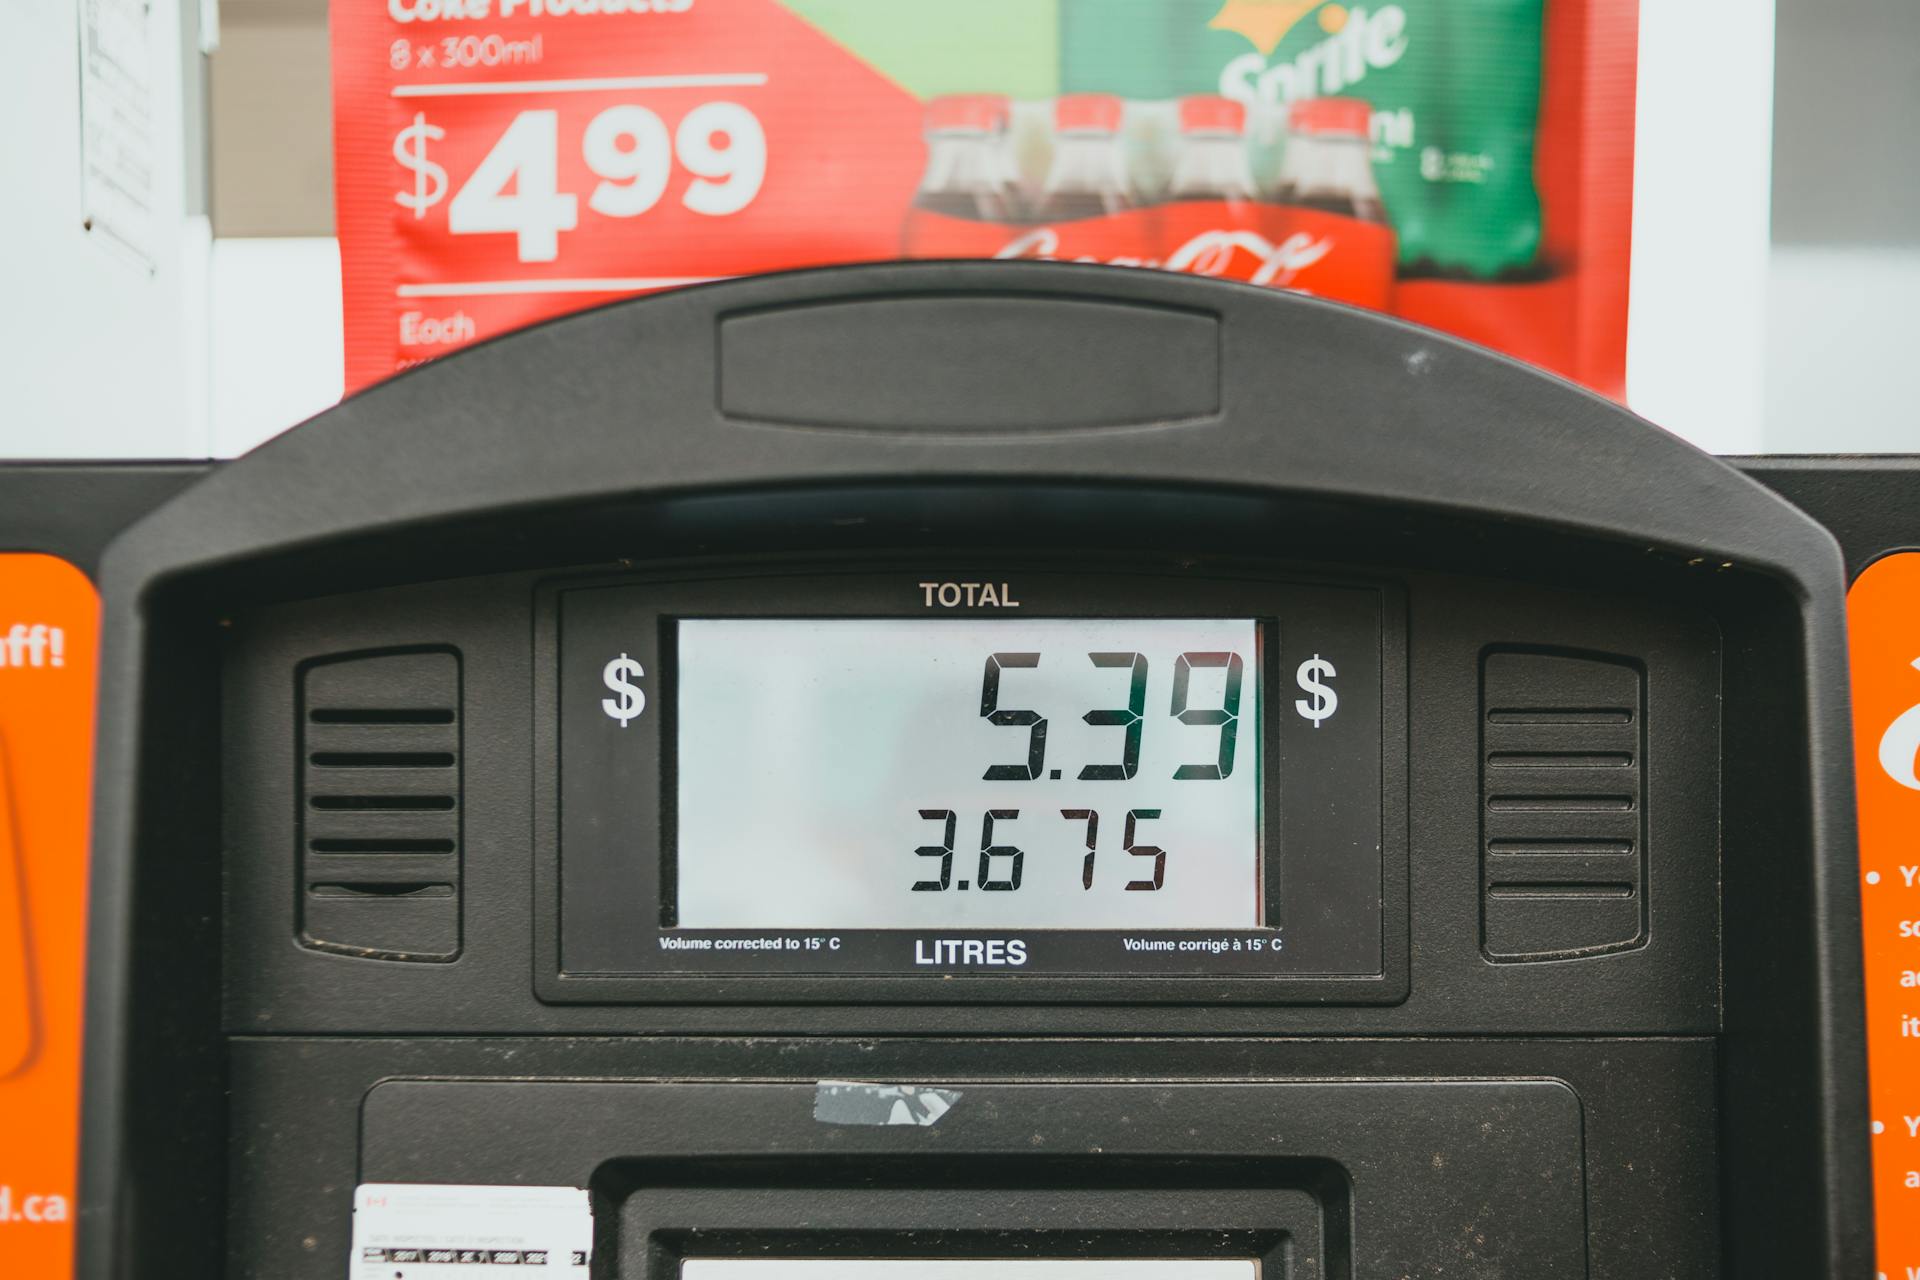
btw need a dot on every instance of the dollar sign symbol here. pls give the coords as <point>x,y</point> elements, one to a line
<point>429,179</point>
<point>627,701</point>
<point>1321,699</point>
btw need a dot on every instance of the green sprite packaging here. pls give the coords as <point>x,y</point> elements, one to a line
<point>1454,86</point>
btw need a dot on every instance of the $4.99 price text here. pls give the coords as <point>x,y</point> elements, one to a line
<point>515,189</point>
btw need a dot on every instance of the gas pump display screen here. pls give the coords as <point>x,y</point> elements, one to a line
<point>1104,775</point>
<point>969,1269</point>
<point>968,773</point>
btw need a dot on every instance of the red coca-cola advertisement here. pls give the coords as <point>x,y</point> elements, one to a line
<point>1465,164</point>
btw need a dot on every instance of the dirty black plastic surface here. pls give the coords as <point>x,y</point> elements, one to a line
<point>612,439</point>
<point>1438,981</point>
<point>1870,504</point>
<point>73,509</point>
<point>1650,1204</point>
<point>1396,1169</point>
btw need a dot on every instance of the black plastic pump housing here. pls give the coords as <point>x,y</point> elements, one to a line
<point>1706,1075</point>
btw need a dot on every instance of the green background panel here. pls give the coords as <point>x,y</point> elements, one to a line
<point>930,47</point>
<point>1144,48</point>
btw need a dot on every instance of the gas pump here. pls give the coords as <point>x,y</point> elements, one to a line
<point>973,770</point>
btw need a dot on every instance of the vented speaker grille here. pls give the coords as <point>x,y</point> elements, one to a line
<point>380,805</point>
<point>1562,819</point>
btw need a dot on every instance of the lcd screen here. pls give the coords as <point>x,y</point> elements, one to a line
<point>968,1269</point>
<point>1089,773</point>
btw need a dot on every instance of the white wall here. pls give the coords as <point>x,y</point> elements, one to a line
<point>1702,194</point>
<point>104,357</point>
<point>1843,323</point>
<point>1841,346</point>
<point>277,344</point>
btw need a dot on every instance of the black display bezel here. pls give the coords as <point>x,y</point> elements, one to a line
<point>610,910</point>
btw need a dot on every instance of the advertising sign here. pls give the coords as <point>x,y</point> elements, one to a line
<point>49,625</point>
<point>1884,627</point>
<point>1465,164</point>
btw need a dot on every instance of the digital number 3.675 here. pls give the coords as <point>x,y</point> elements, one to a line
<point>1001,865</point>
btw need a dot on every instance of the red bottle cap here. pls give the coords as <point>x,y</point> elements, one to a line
<point>977,112</point>
<point>1331,115</point>
<point>1209,113</point>
<point>1087,113</point>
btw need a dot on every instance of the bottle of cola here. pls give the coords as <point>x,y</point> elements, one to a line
<point>1211,162</point>
<point>1338,242</point>
<point>967,196</point>
<point>1088,176</point>
<point>1213,223</point>
<point>1329,164</point>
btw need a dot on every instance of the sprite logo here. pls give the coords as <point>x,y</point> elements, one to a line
<point>1358,40</point>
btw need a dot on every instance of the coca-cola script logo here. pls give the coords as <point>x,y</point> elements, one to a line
<point>1232,255</point>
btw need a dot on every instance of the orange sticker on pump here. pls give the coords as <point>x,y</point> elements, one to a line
<point>1883,616</point>
<point>49,636</point>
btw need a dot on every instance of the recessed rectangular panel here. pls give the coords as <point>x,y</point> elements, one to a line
<point>968,773</point>
<point>968,1269</point>
<point>1563,814</point>
<point>944,364</point>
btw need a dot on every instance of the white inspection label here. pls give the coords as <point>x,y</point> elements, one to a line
<point>417,1231</point>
